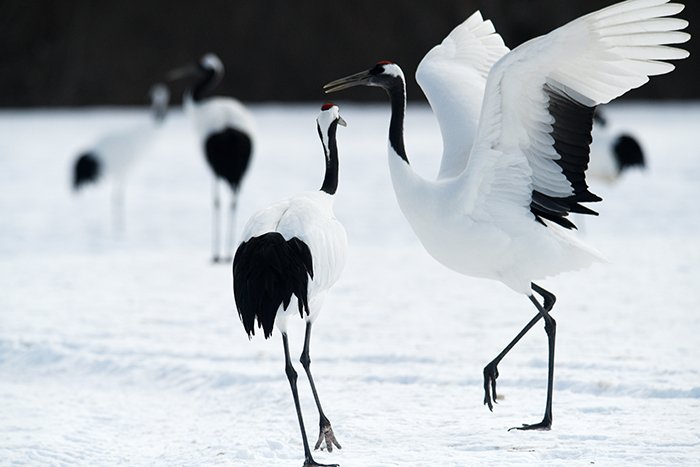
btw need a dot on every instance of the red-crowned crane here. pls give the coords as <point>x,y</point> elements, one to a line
<point>226,132</point>
<point>114,154</point>
<point>516,129</point>
<point>294,249</point>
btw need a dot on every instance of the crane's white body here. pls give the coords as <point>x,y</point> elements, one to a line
<point>214,114</point>
<point>496,240</point>
<point>476,218</point>
<point>119,150</point>
<point>114,154</point>
<point>294,251</point>
<point>309,217</point>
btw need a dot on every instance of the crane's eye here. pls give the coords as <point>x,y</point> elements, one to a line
<point>378,69</point>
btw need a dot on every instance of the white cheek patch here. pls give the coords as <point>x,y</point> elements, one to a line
<point>324,120</point>
<point>394,70</point>
<point>213,62</point>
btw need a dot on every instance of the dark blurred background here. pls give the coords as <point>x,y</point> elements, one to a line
<point>81,52</point>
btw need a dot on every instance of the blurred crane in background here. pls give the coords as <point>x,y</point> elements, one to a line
<point>114,154</point>
<point>226,132</point>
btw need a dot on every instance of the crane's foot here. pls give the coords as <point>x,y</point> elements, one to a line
<point>326,435</point>
<point>222,259</point>
<point>544,425</point>
<point>490,376</point>
<point>309,462</point>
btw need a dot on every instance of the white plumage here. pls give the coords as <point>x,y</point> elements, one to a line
<point>291,254</point>
<point>510,177</point>
<point>218,113</point>
<point>114,154</point>
<point>226,132</point>
<point>309,217</point>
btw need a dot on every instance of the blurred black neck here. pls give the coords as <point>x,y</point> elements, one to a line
<point>208,82</point>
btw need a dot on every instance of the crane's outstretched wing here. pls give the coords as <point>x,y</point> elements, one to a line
<point>453,77</point>
<point>533,140</point>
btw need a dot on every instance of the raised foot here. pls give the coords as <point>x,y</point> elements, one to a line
<point>544,425</point>
<point>326,434</point>
<point>490,376</point>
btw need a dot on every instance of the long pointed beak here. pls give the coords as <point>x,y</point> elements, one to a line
<point>358,79</point>
<point>341,121</point>
<point>182,72</point>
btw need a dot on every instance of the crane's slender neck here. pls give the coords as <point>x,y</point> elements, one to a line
<point>158,111</point>
<point>330,148</point>
<point>209,80</point>
<point>397,95</point>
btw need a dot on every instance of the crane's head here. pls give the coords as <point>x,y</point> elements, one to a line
<point>209,65</point>
<point>160,96</point>
<point>327,123</point>
<point>330,113</point>
<point>384,74</point>
<point>211,62</point>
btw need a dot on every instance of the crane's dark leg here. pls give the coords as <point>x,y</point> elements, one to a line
<point>491,370</point>
<point>230,227</point>
<point>550,326</point>
<point>216,217</point>
<point>325,432</point>
<point>292,377</point>
<point>118,210</point>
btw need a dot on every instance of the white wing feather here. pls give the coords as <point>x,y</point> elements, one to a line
<point>216,113</point>
<point>453,77</point>
<point>587,62</point>
<point>309,217</point>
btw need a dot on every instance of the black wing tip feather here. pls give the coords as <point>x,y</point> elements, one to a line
<point>267,271</point>
<point>571,131</point>
<point>628,153</point>
<point>86,170</point>
<point>228,153</point>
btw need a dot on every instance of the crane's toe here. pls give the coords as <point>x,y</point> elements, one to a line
<point>326,435</point>
<point>313,463</point>
<point>490,376</point>
<point>544,425</point>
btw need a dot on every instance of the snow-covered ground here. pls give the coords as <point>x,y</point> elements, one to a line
<point>125,348</point>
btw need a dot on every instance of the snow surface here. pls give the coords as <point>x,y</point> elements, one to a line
<point>126,349</point>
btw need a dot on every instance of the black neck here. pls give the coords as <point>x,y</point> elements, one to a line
<point>397,95</point>
<point>208,81</point>
<point>330,180</point>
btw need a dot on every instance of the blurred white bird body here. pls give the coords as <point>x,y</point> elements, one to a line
<point>214,114</point>
<point>113,154</point>
<point>119,150</point>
